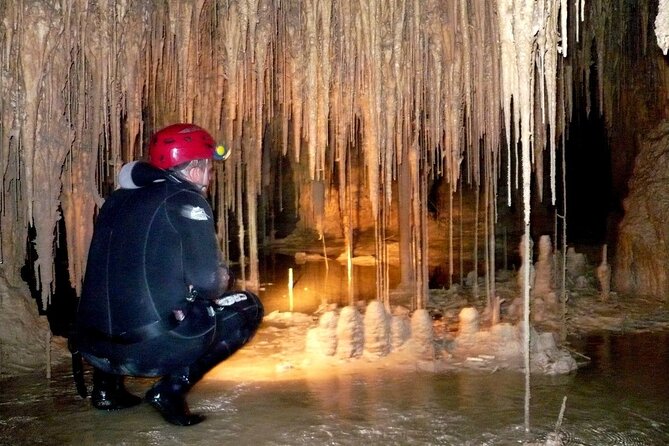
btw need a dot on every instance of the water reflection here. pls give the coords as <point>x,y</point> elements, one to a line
<point>315,283</point>
<point>619,399</point>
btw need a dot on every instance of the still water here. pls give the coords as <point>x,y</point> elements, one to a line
<point>315,283</point>
<point>620,398</point>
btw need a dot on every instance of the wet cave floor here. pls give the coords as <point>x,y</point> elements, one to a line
<point>264,395</point>
<point>268,394</point>
<point>619,398</point>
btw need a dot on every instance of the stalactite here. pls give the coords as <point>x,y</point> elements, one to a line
<point>491,242</point>
<point>475,286</point>
<point>407,268</point>
<point>461,238</point>
<point>467,94</point>
<point>241,230</point>
<point>450,237</point>
<point>563,266</point>
<point>410,84</point>
<point>662,26</point>
<point>49,135</point>
<point>222,221</point>
<point>509,71</point>
<point>348,228</point>
<point>547,40</point>
<point>486,238</point>
<point>423,263</point>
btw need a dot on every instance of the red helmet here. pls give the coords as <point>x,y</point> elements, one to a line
<point>180,143</point>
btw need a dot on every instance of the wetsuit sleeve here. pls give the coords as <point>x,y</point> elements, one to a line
<point>192,218</point>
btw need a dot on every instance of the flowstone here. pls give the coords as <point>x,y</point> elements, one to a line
<point>502,346</point>
<point>548,358</point>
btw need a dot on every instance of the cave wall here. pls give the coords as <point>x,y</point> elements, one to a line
<point>23,332</point>
<point>627,84</point>
<point>641,266</point>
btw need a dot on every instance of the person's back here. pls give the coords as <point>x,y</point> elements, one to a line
<point>145,244</point>
<point>149,300</point>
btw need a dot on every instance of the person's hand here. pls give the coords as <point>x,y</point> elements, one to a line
<point>224,276</point>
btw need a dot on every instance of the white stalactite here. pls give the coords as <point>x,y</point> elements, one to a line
<point>426,82</point>
<point>662,26</point>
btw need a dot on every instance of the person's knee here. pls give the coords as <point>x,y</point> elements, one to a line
<point>243,304</point>
<point>257,312</point>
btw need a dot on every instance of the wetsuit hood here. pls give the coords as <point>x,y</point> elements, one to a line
<point>137,174</point>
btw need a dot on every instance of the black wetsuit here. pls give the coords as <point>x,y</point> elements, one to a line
<point>153,270</point>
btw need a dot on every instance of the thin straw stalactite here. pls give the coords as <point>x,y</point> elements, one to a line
<point>429,88</point>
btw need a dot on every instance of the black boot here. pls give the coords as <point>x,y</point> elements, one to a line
<point>109,393</point>
<point>168,396</point>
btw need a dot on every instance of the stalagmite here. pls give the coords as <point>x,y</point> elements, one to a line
<point>544,268</point>
<point>526,264</point>
<point>400,330</point>
<point>468,321</point>
<point>322,339</point>
<point>604,276</point>
<point>350,333</point>
<point>422,335</point>
<point>377,329</point>
<point>575,263</point>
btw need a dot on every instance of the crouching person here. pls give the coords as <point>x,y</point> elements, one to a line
<point>154,300</point>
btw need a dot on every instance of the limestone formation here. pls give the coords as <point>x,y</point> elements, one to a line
<point>422,335</point>
<point>323,338</point>
<point>377,329</point>
<point>350,333</point>
<point>468,321</point>
<point>576,263</point>
<point>544,268</point>
<point>525,263</point>
<point>604,276</point>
